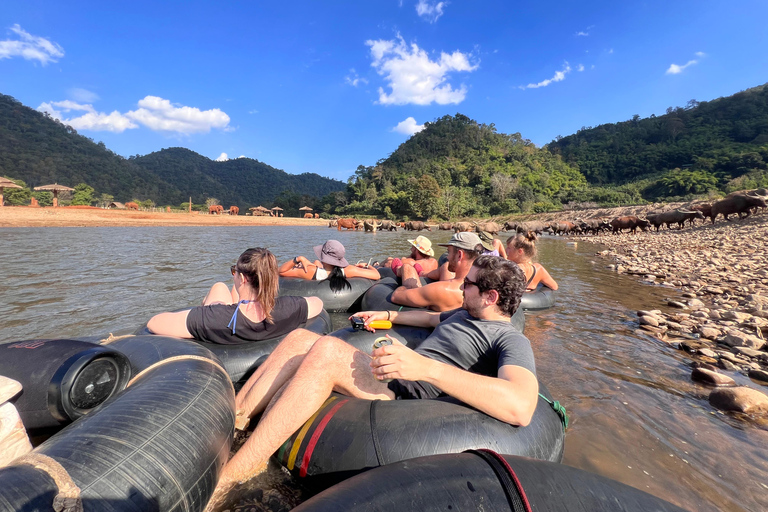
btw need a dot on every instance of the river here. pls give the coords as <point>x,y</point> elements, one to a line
<point>635,414</point>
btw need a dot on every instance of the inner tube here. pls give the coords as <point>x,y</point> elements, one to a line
<point>350,435</point>
<point>241,360</point>
<point>541,298</point>
<point>379,298</point>
<point>334,302</point>
<point>157,445</point>
<point>62,380</point>
<point>482,481</point>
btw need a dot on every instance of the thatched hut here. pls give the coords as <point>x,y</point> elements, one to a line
<point>6,183</point>
<point>55,188</point>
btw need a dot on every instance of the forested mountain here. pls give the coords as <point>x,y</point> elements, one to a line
<point>691,149</point>
<point>458,167</point>
<point>40,150</point>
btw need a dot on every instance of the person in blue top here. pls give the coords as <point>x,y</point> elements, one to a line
<point>250,311</point>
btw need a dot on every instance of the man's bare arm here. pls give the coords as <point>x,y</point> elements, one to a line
<point>510,397</point>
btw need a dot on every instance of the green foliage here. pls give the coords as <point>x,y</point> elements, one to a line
<point>724,138</point>
<point>679,182</point>
<point>83,195</point>
<point>17,196</point>
<point>752,180</point>
<point>457,167</point>
<point>44,198</point>
<point>41,150</point>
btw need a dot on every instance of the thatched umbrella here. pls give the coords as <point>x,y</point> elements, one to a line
<point>305,208</point>
<point>55,188</point>
<point>6,183</point>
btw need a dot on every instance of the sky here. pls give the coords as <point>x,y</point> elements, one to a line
<point>324,87</point>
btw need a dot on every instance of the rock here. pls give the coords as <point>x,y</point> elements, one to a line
<point>700,314</point>
<point>736,315</point>
<point>760,375</point>
<point>655,330</point>
<point>708,352</point>
<point>712,378</point>
<point>741,339</point>
<point>676,304</point>
<point>649,320</point>
<point>709,333</point>
<point>714,314</point>
<point>727,365</point>
<point>739,399</point>
<point>714,290</point>
<point>748,352</point>
<point>695,304</point>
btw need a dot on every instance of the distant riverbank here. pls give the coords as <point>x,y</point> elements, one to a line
<point>25,217</point>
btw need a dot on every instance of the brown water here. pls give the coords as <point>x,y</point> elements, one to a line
<point>635,414</point>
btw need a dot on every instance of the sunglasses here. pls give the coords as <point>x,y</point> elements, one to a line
<point>467,282</point>
<point>233,269</point>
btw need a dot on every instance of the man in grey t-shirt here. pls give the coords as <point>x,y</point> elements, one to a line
<point>474,355</point>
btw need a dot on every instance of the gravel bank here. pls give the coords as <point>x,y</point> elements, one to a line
<point>722,270</point>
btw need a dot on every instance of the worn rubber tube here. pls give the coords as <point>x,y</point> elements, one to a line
<point>541,298</point>
<point>159,445</point>
<point>350,435</point>
<point>466,482</point>
<point>334,302</point>
<point>242,359</point>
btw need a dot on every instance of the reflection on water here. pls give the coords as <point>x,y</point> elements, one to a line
<point>636,415</point>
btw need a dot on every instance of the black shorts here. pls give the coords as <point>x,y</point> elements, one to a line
<point>412,390</point>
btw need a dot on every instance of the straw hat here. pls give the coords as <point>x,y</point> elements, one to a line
<point>423,245</point>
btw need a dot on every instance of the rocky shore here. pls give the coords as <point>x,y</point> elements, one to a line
<point>722,321</point>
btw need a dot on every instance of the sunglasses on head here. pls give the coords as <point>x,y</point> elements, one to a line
<point>233,269</point>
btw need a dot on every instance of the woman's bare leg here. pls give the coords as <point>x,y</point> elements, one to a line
<point>218,294</point>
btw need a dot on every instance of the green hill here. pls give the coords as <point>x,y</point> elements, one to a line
<point>458,167</point>
<point>40,150</point>
<point>718,144</point>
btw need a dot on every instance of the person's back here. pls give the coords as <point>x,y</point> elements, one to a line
<point>331,264</point>
<point>521,249</point>
<point>463,249</point>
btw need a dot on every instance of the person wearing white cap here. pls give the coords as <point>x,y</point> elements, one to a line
<point>463,249</point>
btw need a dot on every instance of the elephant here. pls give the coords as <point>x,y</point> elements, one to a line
<point>234,210</point>
<point>215,209</point>
<point>132,206</point>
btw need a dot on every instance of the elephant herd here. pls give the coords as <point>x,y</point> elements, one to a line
<point>742,203</point>
<point>217,209</point>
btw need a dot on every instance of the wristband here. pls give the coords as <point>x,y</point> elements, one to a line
<point>419,269</point>
<point>388,316</point>
<point>396,264</point>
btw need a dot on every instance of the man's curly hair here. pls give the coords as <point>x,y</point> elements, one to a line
<point>506,277</point>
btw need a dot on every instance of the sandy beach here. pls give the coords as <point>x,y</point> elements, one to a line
<point>26,217</point>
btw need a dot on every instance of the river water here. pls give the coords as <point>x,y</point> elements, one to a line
<point>635,414</point>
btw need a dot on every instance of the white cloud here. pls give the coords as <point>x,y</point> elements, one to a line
<point>582,34</point>
<point>222,158</point>
<point>83,95</point>
<point>559,77</point>
<point>30,47</point>
<point>154,113</point>
<point>430,11</point>
<point>353,79</point>
<point>408,126</point>
<point>413,77</point>
<point>91,120</point>
<point>675,69</point>
<point>253,111</point>
<point>241,156</point>
<point>580,68</point>
<point>159,114</point>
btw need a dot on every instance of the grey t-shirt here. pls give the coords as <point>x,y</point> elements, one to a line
<point>478,346</point>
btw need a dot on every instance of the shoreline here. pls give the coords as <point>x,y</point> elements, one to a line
<point>722,320</point>
<point>27,217</point>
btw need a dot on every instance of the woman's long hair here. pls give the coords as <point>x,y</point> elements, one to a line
<point>259,266</point>
<point>337,280</point>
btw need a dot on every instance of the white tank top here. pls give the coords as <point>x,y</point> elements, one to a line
<point>321,274</point>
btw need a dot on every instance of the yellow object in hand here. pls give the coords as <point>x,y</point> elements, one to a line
<point>380,324</point>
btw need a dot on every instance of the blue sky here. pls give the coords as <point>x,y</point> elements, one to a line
<point>326,86</point>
